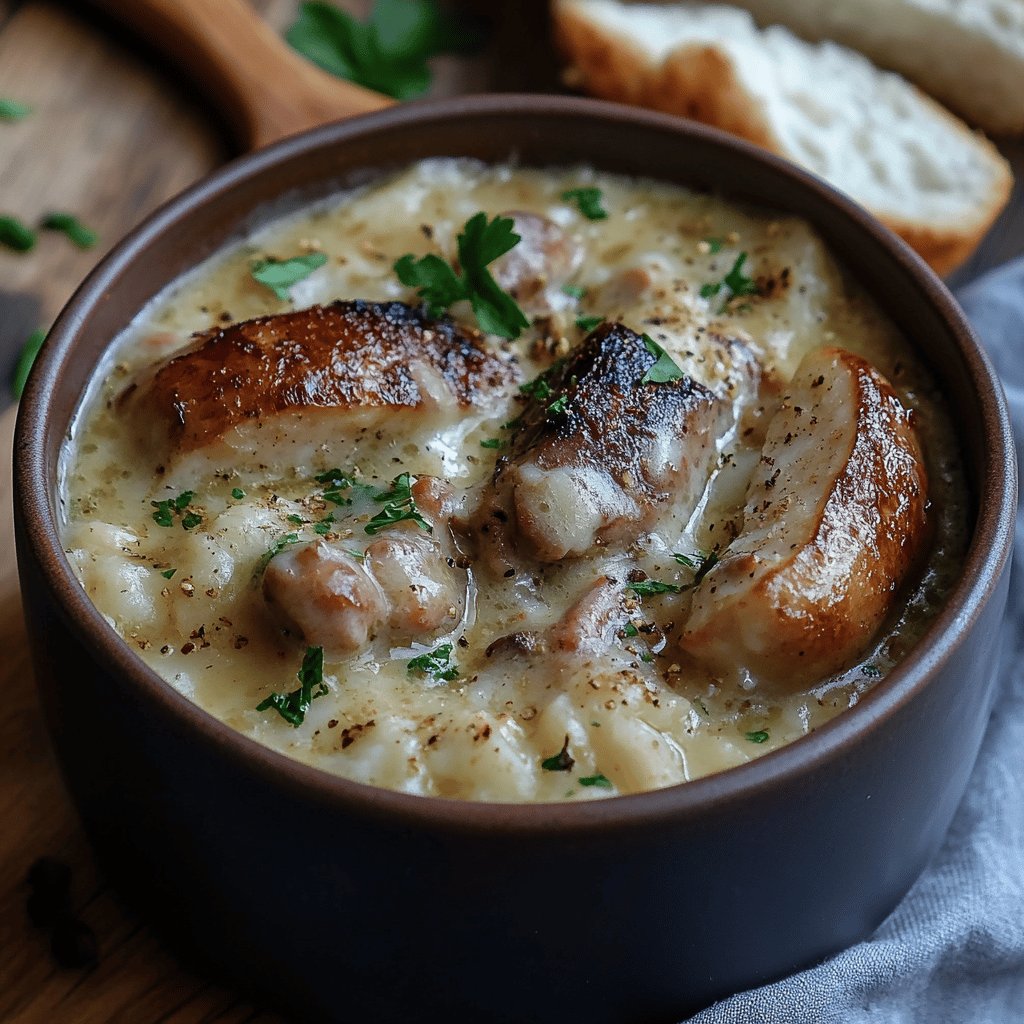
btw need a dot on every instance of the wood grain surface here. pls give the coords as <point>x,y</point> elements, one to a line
<point>114,132</point>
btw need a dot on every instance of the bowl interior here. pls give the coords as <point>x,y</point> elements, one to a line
<point>536,131</point>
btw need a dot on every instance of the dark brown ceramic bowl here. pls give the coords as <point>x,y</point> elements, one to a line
<point>342,902</point>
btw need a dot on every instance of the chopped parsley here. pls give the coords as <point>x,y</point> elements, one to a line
<point>761,736</point>
<point>292,707</point>
<point>280,275</point>
<point>336,482</point>
<point>588,202</point>
<point>574,291</point>
<point>237,493</point>
<point>701,563</point>
<point>165,511</point>
<point>714,245</point>
<point>15,235</point>
<point>664,368</point>
<point>538,388</point>
<point>734,283</point>
<point>492,442</point>
<point>629,630</point>
<point>558,406</point>
<point>83,237</point>
<point>12,110</point>
<point>647,587</point>
<point>296,520</point>
<point>168,574</point>
<point>275,549</point>
<point>26,358</point>
<point>399,506</point>
<point>389,51</point>
<point>435,664</point>
<point>439,285</point>
<point>596,780</point>
<point>588,323</point>
<point>560,762</point>
<point>323,526</point>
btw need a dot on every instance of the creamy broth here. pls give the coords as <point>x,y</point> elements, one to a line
<point>636,714</point>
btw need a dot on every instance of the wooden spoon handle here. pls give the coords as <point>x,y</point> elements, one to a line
<point>264,89</point>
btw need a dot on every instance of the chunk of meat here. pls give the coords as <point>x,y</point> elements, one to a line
<point>543,260</point>
<point>273,391</point>
<point>600,455</point>
<point>593,622</point>
<point>407,584</point>
<point>835,519</point>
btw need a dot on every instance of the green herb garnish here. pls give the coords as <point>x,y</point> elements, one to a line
<point>83,237</point>
<point>574,291</point>
<point>337,482</point>
<point>237,493</point>
<point>26,358</point>
<point>630,630</point>
<point>757,737</point>
<point>492,442</point>
<point>388,52</point>
<point>588,323</point>
<point>596,780</point>
<point>871,671</point>
<point>734,283</point>
<point>560,762</point>
<point>714,245</point>
<point>701,563</point>
<point>15,235</point>
<point>399,506</point>
<point>12,110</point>
<point>647,587</point>
<point>538,388</point>
<point>165,511</point>
<point>323,526</point>
<point>296,520</point>
<point>275,549</point>
<point>435,664</point>
<point>664,368</point>
<point>292,707</point>
<point>588,202</point>
<point>558,406</point>
<point>439,285</point>
<point>168,574</point>
<point>280,275</point>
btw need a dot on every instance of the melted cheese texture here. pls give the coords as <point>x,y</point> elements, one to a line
<point>633,715</point>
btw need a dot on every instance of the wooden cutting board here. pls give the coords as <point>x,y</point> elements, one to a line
<point>113,133</point>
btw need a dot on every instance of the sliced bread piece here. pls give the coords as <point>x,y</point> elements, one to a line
<point>968,53</point>
<point>870,133</point>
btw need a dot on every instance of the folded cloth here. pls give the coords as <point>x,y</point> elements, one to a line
<point>953,951</point>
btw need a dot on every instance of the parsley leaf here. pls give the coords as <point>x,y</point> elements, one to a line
<point>647,587</point>
<point>492,442</point>
<point>538,388</point>
<point>399,506</point>
<point>280,275</point>
<point>596,780</point>
<point>15,235</point>
<point>389,51</point>
<point>664,368</point>
<point>292,707</point>
<point>629,630</point>
<point>701,563</point>
<point>83,237</point>
<point>336,483</point>
<point>26,358</point>
<point>12,110</point>
<point>237,493</point>
<point>435,664</point>
<point>574,291</point>
<point>439,286</point>
<point>168,574</point>
<point>560,762</point>
<point>558,406</point>
<point>166,511</point>
<point>761,736</point>
<point>714,245</point>
<point>275,549</point>
<point>588,323</point>
<point>323,526</point>
<point>734,283</point>
<point>588,202</point>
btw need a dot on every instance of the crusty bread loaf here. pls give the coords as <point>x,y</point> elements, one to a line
<point>870,133</point>
<point>968,53</point>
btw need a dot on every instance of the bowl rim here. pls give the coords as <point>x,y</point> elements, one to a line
<point>985,561</point>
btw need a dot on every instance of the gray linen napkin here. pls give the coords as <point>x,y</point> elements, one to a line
<point>953,951</point>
